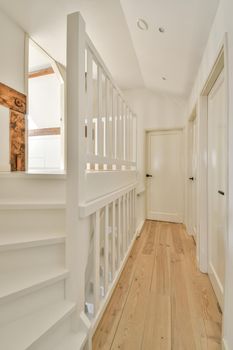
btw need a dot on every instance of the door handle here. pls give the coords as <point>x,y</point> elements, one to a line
<point>222,193</point>
<point>191,178</point>
<point>148,175</point>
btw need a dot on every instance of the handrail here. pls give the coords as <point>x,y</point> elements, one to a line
<point>89,208</point>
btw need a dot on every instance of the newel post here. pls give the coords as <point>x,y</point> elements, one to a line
<point>77,237</point>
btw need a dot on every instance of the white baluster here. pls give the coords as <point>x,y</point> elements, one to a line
<point>113,239</point>
<point>119,233</point>
<point>130,137</point>
<point>124,130</point>
<point>119,133</point>
<point>107,134</point>
<point>106,250</point>
<point>100,113</point>
<point>124,224</point>
<point>97,261</point>
<point>128,218</point>
<point>134,211</point>
<point>113,124</point>
<point>89,102</point>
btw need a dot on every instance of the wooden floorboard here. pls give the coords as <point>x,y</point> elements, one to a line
<point>162,300</point>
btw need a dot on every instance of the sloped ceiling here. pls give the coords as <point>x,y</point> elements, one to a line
<point>135,58</point>
<point>176,53</point>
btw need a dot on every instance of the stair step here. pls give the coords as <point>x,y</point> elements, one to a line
<point>31,205</point>
<point>17,284</point>
<point>24,332</point>
<point>73,341</point>
<point>11,242</point>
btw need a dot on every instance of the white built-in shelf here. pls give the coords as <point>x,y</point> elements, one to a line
<point>26,331</point>
<point>18,283</point>
<point>73,341</point>
<point>21,241</point>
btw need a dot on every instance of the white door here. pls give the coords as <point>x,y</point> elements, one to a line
<point>192,185</point>
<point>165,180</point>
<point>217,185</point>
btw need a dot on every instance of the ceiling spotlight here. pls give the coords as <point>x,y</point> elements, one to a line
<point>164,78</point>
<point>161,30</point>
<point>142,24</point>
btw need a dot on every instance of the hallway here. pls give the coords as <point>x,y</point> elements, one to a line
<point>161,300</point>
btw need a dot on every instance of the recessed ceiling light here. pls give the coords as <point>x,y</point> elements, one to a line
<point>161,30</point>
<point>164,78</point>
<point>142,24</point>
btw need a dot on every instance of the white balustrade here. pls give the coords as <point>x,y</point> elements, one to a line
<point>111,130</point>
<point>118,217</point>
<point>101,135</point>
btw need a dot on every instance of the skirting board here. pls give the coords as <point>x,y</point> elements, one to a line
<point>224,345</point>
<point>139,228</point>
<point>104,304</point>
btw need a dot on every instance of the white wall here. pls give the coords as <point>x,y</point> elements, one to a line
<point>154,111</point>
<point>12,54</point>
<point>223,24</point>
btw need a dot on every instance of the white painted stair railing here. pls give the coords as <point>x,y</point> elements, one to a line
<point>113,220</point>
<point>101,177</point>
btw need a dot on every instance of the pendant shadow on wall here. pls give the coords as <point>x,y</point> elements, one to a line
<point>12,129</point>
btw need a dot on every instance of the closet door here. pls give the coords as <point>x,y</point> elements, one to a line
<point>217,186</point>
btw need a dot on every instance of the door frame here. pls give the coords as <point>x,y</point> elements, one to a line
<point>220,65</point>
<point>147,131</point>
<point>188,189</point>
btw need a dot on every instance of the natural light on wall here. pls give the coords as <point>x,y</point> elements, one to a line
<point>45,116</point>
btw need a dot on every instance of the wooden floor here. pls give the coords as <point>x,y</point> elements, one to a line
<point>161,301</point>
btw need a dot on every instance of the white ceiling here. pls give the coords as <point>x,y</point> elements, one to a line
<point>176,54</point>
<point>135,58</point>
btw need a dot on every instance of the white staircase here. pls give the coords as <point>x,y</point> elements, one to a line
<point>34,311</point>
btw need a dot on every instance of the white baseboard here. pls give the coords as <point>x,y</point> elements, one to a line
<point>112,287</point>
<point>224,345</point>
<point>139,228</point>
<point>167,217</point>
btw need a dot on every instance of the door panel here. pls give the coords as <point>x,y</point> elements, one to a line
<point>165,194</point>
<point>192,185</point>
<point>217,170</point>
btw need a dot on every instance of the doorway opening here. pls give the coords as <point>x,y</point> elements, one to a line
<point>45,113</point>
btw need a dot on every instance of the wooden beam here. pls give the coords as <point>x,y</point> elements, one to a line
<point>17,141</point>
<point>44,132</point>
<point>12,99</point>
<point>41,72</point>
